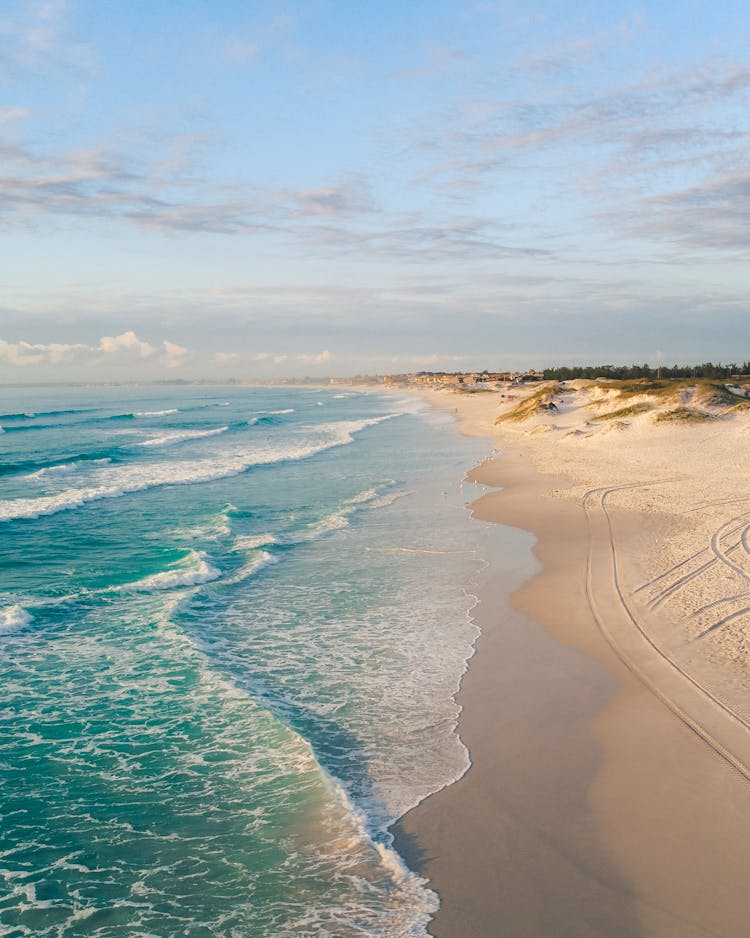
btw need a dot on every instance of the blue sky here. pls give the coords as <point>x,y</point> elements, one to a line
<point>257,189</point>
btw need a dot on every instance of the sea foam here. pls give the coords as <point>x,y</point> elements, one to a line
<point>121,480</point>
<point>334,521</point>
<point>13,618</point>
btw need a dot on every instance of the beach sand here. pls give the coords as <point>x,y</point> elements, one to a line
<point>606,718</point>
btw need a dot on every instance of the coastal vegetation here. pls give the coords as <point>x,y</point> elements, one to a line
<point>540,400</point>
<point>632,411</point>
<point>699,391</point>
<point>685,415</point>
<point>623,372</point>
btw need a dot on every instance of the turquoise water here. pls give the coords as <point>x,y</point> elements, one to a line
<point>232,621</point>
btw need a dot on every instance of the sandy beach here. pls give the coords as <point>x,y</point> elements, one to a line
<point>606,707</point>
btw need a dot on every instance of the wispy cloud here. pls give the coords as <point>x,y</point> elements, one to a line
<point>346,199</point>
<point>280,358</point>
<point>226,358</point>
<point>247,46</point>
<point>572,54</point>
<point>618,115</point>
<point>37,37</point>
<point>162,194</point>
<point>711,215</point>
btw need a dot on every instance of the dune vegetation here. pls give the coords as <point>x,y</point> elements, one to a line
<point>684,414</point>
<point>540,400</point>
<point>631,411</point>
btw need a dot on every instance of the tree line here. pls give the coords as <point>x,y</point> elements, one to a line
<point>620,372</point>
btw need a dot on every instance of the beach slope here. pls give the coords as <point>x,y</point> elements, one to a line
<point>605,709</point>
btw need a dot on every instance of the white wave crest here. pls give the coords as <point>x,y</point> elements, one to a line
<point>335,521</point>
<point>253,542</point>
<point>123,480</point>
<point>68,468</point>
<point>340,518</point>
<point>156,413</point>
<point>264,559</point>
<point>179,436</point>
<point>13,618</point>
<point>192,570</point>
<point>252,421</point>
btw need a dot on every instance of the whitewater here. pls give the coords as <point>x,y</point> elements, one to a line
<point>232,625</point>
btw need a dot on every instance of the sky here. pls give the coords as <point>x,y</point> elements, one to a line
<point>218,188</point>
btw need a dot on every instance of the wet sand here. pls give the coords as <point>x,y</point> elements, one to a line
<point>591,808</point>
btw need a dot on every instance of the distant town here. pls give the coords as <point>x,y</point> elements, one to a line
<point>484,379</point>
<point>457,380</point>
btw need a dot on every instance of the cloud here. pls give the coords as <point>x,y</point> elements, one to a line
<point>151,180</point>
<point>279,358</point>
<point>226,358</point>
<point>104,182</point>
<point>127,341</point>
<point>419,237</point>
<point>347,198</point>
<point>38,39</point>
<point>569,56</point>
<point>712,215</point>
<point>26,353</point>
<point>485,135</point>
<point>174,355</point>
<point>124,349</point>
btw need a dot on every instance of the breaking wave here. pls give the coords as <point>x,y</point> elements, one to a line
<point>156,413</point>
<point>13,618</point>
<point>179,436</point>
<point>123,480</point>
<point>191,570</point>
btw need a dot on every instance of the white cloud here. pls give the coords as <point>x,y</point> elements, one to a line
<point>279,358</point>
<point>27,353</point>
<point>125,348</point>
<point>225,358</point>
<point>174,355</point>
<point>127,341</point>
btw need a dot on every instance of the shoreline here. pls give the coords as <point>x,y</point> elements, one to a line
<point>587,809</point>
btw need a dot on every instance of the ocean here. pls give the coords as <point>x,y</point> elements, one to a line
<point>232,624</point>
